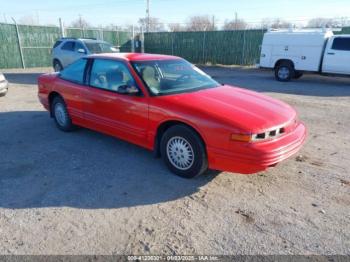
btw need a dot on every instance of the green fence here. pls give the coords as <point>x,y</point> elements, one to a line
<point>216,47</point>
<point>36,42</point>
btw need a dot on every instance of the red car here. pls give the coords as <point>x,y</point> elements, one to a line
<point>167,105</point>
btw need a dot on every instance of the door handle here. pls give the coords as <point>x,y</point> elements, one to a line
<point>330,53</point>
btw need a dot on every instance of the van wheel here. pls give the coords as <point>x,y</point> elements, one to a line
<point>284,72</point>
<point>57,66</point>
<point>183,152</point>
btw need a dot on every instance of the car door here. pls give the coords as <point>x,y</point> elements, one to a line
<point>67,53</point>
<point>112,112</point>
<point>70,85</point>
<point>337,56</point>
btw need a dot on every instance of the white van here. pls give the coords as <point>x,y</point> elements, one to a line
<point>291,53</point>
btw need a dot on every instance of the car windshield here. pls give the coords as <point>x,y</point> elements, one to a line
<point>173,76</point>
<point>100,47</point>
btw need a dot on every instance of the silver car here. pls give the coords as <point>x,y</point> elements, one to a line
<point>68,50</point>
<point>3,85</point>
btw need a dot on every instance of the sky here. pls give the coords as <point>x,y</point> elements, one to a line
<point>122,12</point>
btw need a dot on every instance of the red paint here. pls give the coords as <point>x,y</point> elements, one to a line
<point>214,113</point>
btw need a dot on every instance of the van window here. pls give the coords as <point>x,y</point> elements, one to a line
<point>341,43</point>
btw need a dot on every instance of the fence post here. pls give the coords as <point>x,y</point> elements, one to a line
<point>204,46</point>
<point>142,40</point>
<point>101,33</point>
<point>243,48</point>
<point>19,43</point>
<point>61,27</point>
<point>172,43</point>
<point>133,40</point>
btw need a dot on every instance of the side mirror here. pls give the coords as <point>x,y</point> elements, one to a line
<point>82,51</point>
<point>128,90</point>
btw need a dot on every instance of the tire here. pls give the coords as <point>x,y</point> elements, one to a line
<point>284,72</point>
<point>57,66</point>
<point>183,152</point>
<point>60,114</point>
<point>298,74</point>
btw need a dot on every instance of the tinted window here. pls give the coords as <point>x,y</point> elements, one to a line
<point>74,72</point>
<point>57,44</point>
<point>97,48</point>
<point>79,46</point>
<point>110,75</point>
<point>69,46</point>
<point>341,43</point>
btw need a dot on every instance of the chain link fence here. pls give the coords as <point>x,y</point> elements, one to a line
<point>241,47</point>
<point>24,46</point>
<point>30,46</point>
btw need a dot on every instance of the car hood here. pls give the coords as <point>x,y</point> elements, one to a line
<point>243,109</point>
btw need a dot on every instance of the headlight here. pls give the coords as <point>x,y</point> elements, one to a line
<point>270,134</point>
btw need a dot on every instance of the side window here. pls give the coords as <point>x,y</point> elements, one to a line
<point>68,46</point>
<point>78,46</point>
<point>110,75</point>
<point>58,42</point>
<point>341,43</point>
<point>75,72</point>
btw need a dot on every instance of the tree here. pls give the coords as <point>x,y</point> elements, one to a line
<point>276,23</point>
<point>176,27</point>
<point>320,22</point>
<point>238,24</point>
<point>201,23</point>
<point>80,23</point>
<point>155,25</point>
<point>28,20</point>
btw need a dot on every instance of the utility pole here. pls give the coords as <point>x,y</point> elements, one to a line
<point>148,17</point>
<point>80,22</point>
<point>236,20</point>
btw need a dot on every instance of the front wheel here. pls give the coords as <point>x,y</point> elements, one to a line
<point>183,152</point>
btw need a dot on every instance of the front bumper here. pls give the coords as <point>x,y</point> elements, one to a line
<point>3,87</point>
<point>249,158</point>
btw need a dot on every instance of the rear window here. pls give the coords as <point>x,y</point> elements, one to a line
<point>341,43</point>
<point>57,43</point>
<point>96,48</point>
<point>69,46</point>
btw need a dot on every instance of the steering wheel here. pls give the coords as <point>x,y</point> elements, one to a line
<point>183,78</point>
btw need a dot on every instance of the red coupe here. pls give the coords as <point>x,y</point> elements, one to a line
<point>167,105</point>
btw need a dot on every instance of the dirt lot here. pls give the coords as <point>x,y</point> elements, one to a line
<point>88,193</point>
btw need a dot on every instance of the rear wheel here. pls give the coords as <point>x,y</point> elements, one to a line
<point>57,66</point>
<point>60,114</point>
<point>183,152</point>
<point>284,72</point>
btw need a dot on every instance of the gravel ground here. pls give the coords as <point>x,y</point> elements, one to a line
<point>88,193</point>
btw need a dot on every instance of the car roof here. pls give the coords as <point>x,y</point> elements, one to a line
<point>134,56</point>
